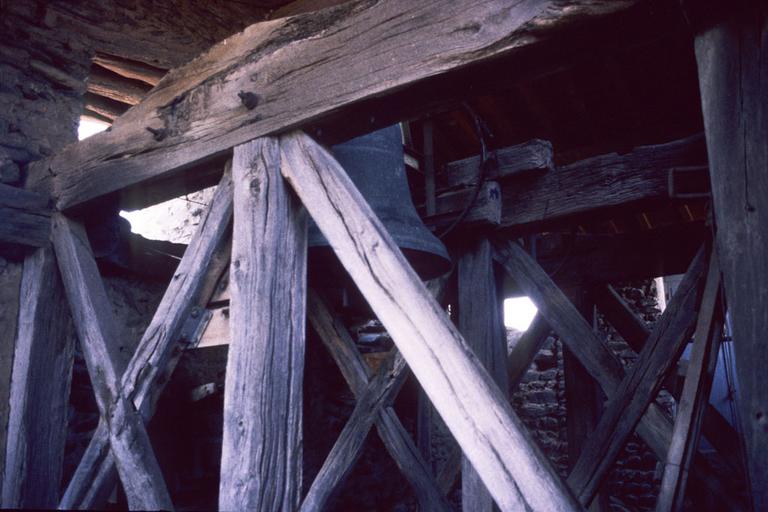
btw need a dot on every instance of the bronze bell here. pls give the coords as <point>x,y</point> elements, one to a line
<point>375,163</point>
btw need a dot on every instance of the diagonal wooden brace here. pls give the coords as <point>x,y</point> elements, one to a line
<point>513,468</point>
<point>157,352</point>
<point>129,443</point>
<point>380,393</point>
<point>356,372</point>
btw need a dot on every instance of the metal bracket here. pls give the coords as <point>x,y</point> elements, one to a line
<point>194,327</point>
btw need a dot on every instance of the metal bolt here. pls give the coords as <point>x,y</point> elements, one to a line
<point>248,99</point>
<point>158,134</point>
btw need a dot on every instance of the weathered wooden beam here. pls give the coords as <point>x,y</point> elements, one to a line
<point>630,327</point>
<point>356,372</point>
<point>381,391</point>
<point>695,397</point>
<point>639,387</point>
<point>108,108</point>
<point>732,58</point>
<point>100,342</point>
<point>484,210</point>
<point>597,186</point>
<point>482,325</point>
<point>108,84</point>
<point>261,461</point>
<point>25,217</point>
<point>128,68</point>
<point>523,353</point>
<point>286,64</point>
<point>515,471</point>
<point>527,159</point>
<point>39,396</point>
<point>158,351</point>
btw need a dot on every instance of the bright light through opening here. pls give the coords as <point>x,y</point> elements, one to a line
<point>90,127</point>
<point>519,313</point>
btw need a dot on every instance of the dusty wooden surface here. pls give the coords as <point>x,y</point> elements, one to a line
<point>513,468</point>
<point>25,217</point>
<point>261,461</point>
<point>100,340</point>
<point>732,58</point>
<point>39,398</point>
<point>10,284</point>
<point>291,65</point>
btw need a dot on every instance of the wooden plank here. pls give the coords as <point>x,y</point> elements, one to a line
<point>261,461</point>
<point>523,353</point>
<point>101,345</point>
<point>39,397</point>
<point>105,107</point>
<point>158,350</point>
<point>10,298</point>
<point>639,387</point>
<point>526,159</point>
<point>732,58</point>
<point>395,437</point>
<point>698,384</point>
<point>25,217</point>
<point>485,210</point>
<point>597,186</point>
<point>288,65</point>
<point>481,324</point>
<point>130,68</point>
<point>515,471</point>
<point>108,84</point>
<point>381,391</point>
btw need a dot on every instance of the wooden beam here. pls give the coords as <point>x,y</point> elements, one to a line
<point>286,65</point>
<point>132,69</point>
<point>695,397</point>
<point>381,391</point>
<point>356,372</point>
<point>485,209</point>
<point>639,387</point>
<point>25,217</point>
<point>482,325</point>
<point>630,327</point>
<point>108,108</point>
<point>525,350</point>
<point>261,460</point>
<point>515,471</point>
<point>39,397</point>
<point>108,84</point>
<point>100,342</point>
<point>732,58</point>
<point>158,351</point>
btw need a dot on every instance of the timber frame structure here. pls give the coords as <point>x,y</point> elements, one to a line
<point>250,114</point>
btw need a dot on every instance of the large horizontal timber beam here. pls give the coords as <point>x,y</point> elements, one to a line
<point>25,217</point>
<point>514,470</point>
<point>283,69</point>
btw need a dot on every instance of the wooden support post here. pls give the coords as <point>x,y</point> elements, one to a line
<point>583,402</point>
<point>639,387</point>
<point>159,350</point>
<point>512,467</point>
<point>261,460</point>
<point>698,384</point>
<point>482,325</point>
<point>100,341</point>
<point>356,372</point>
<point>380,393</point>
<point>39,397</point>
<point>525,350</point>
<point>732,58</point>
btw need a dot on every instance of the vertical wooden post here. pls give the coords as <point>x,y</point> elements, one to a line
<point>481,324</point>
<point>42,371</point>
<point>732,58</point>
<point>261,462</point>
<point>10,286</point>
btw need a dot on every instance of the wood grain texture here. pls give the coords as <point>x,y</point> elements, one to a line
<point>695,396</point>
<point>523,353</point>
<point>640,386</point>
<point>101,344</point>
<point>39,395</point>
<point>10,297</point>
<point>482,325</point>
<point>25,217</point>
<point>261,461</point>
<point>357,374</point>
<point>380,393</point>
<point>515,471</point>
<point>106,83</point>
<point>158,350</point>
<point>597,185</point>
<point>291,65</point>
<point>732,59</point>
